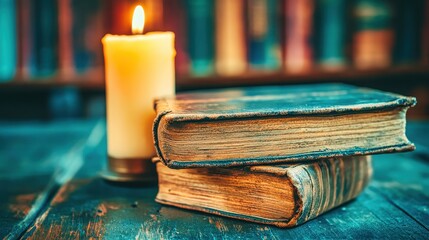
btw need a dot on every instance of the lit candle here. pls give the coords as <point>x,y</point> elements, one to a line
<point>138,69</point>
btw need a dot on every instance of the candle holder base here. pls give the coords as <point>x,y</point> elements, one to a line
<point>125,178</point>
<point>130,170</point>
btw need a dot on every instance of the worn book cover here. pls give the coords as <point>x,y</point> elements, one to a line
<point>264,125</point>
<point>281,195</point>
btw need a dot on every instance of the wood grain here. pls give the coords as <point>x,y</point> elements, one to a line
<point>393,206</point>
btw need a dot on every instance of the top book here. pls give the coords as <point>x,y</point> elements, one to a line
<point>264,125</point>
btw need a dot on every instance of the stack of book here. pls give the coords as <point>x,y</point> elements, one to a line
<point>274,155</point>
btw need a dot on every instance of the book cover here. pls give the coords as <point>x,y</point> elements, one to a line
<point>65,22</point>
<point>87,30</point>
<point>264,51</point>
<point>273,124</point>
<point>373,37</point>
<point>8,51</point>
<point>230,37</point>
<point>44,41</point>
<point>298,30</point>
<point>174,17</point>
<point>280,195</point>
<point>408,28</point>
<point>330,33</point>
<point>200,36</point>
<point>24,39</point>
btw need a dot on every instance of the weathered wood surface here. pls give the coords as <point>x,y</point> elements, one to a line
<point>395,205</point>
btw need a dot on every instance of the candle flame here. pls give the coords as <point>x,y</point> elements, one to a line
<point>138,20</point>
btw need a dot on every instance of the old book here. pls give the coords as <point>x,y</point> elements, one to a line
<point>263,125</point>
<point>280,195</point>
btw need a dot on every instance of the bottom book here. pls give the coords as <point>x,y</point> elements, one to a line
<point>282,195</point>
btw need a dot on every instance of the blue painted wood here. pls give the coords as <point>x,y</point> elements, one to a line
<point>31,156</point>
<point>394,206</point>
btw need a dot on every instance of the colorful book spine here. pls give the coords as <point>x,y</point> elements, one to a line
<point>44,27</point>
<point>174,20</point>
<point>298,49</point>
<point>200,25</point>
<point>330,28</point>
<point>8,52</point>
<point>87,30</point>
<point>24,38</point>
<point>230,37</point>
<point>65,19</point>
<point>373,39</point>
<point>264,51</point>
<point>409,17</point>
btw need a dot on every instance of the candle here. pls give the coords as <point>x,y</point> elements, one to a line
<point>138,69</point>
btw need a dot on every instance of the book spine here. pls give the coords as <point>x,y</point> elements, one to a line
<point>328,183</point>
<point>8,52</point>
<point>230,37</point>
<point>87,30</point>
<point>264,51</point>
<point>409,16</point>
<point>65,20</point>
<point>200,25</point>
<point>298,49</point>
<point>373,39</point>
<point>174,20</point>
<point>330,27</point>
<point>44,20</point>
<point>24,38</point>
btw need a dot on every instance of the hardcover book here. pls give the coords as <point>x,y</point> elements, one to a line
<point>264,49</point>
<point>8,51</point>
<point>44,41</point>
<point>330,33</point>
<point>264,125</point>
<point>230,37</point>
<point>200,37</point>
<point>373,38</point>
<point>281,195</point>
<point>298,30</point>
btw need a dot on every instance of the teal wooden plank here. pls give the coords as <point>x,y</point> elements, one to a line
<point>93,208</point>
<point>394,206</point>
<point>30,154</point>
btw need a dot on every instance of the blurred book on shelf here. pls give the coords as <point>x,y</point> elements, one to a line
<point>264,52</point>
<point>230,37</point>
<point>200,34</point>
<point>330,33</point>
<point>373,37</point>
<point>299,28</point>
<point>8,55</point>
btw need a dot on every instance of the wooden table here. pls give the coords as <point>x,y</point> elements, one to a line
<point>50,189</point>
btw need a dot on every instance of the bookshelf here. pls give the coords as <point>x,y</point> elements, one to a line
<point>329,34</point>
